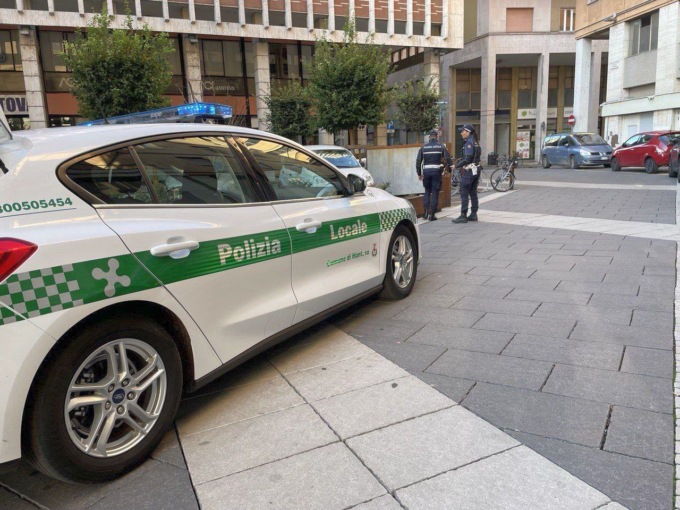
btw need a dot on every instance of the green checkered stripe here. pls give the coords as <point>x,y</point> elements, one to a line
<point>38,292</point>
<point>390,219</point>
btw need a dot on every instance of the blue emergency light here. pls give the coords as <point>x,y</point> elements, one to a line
<point>190,112</point>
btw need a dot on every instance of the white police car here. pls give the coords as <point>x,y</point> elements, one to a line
<point>141,261</point>
<point>343,160</point>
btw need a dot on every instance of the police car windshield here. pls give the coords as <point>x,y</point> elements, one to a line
<point>339,157</point>
<point>589,139</point>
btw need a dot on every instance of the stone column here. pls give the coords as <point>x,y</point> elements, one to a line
<point>541,102</point>
<point>262,82</point>
<point>390,17</point>
<point>33,80</point>
<point>560,98</point>
<point>362,136</point>
<point>431,68</point>
<point>192,70</point>
<point>325,138</point>
<point>409,18</point>
<point>487,114</point>
<point>452,106</point>
<point>595,80</point>
<point>381,135</point>
<point>582,84</point>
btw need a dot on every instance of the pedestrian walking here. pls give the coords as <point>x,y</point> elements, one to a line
<point>469,174</point>
<point>429,169</point>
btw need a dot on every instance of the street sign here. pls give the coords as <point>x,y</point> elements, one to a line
<point>390,127</point>
<point>572,120</point>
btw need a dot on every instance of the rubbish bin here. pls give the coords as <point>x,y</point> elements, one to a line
<point>492,159</point>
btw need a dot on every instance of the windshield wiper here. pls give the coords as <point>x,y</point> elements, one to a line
<point>4,169</point>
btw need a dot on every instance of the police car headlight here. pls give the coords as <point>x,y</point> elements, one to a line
<point>584,152</point>
<point>368,178</point>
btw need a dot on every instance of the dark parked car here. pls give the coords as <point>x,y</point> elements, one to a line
<point>649,150</point>
<point>575,150</point>
<point>674,161</point>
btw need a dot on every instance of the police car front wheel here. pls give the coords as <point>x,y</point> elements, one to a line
<point>401,264</point>
<point>105,400</point>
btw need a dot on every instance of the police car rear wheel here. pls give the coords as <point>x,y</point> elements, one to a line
<point>105,401</point>
<point>401,265</point>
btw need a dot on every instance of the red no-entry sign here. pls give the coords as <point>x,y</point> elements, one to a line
<point>572,120</point>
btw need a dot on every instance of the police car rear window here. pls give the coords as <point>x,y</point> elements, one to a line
<point>113,177</point>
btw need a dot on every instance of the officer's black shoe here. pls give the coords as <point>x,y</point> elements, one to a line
<point>472,217</point>
<point>461,219</point>
<point>433,217</point>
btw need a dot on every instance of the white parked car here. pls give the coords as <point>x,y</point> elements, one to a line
<point>343,160</point>
<point>139,262</point>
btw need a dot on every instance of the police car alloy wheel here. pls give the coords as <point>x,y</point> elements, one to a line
<point>105,401</point>
<point>401,265</point>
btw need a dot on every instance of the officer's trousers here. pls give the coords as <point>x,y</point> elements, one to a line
<point>432,180</point>
<point>468,191</point>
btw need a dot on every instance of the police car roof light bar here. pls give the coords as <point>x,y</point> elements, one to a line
<point>190,112</point>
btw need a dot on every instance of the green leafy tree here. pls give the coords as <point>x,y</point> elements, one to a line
<point>118,71</point>
<point>348,83</point>
<point>290,111</point>
<point>418,106</point>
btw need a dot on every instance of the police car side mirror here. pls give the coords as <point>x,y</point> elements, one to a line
<point>356,184</point>
<point>363,162</point>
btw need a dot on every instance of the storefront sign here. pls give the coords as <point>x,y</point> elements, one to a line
<point>530,113</point>
<point>522,145</point>
<point>14,105</point>
<point>223,87</point>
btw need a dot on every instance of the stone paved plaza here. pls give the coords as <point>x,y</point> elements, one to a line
<point>532,367</point>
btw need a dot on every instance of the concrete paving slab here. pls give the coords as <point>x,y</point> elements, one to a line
<point>641,434</point>
<point>523,283</point>
<point>477,366</point>
<point>596,331</point>
<point>605,315</point>
<point>494,305</point>
<point>344,376</point>
<point>325,350</point>
<point>465,339</point>
<point>11,501</point>
<point>654,362</point>
<point>377,406</point>
<point>331,478</point>
<point>409,452</point>
<point>454,388</point>
<point>235,404</point>
<point>386,502</point>
<point>558,328</point>
<point>169,450</point>
<point>550,296</point>
<point>172,490</point>
<point>618,388</point>
<point>247,444</point>
<point>515,479</point>
<point>571,419</point>
<point>637,484</point>
<point>383,330</point>
<point>456,318</point>
<point>413,357</point>
<point>567,352</point>
<point>256,369</point>
<point>453,290</point>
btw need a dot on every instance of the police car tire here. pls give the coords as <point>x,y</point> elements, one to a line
<point>45,438</point>
<point>391,291</point>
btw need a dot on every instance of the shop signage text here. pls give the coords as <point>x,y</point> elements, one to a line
<point>530,113</point>
<point>14,105</point>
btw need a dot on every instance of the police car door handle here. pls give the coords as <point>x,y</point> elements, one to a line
<point>308,226</point>
<point>175,250</point>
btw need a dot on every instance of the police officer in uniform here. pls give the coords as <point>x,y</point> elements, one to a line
<point>469,174</point>
<point>428,167</point>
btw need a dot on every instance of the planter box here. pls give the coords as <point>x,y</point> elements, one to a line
<point>444,197</point>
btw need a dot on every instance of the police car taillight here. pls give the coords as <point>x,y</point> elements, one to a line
<point>13,253</point>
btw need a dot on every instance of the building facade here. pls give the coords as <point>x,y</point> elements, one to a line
<point>514,80</point>
<point>643,83</point>
<point>226,51</point>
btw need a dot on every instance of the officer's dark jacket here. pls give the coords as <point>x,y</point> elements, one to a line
<point>430,156</point>
<point>472,152</point>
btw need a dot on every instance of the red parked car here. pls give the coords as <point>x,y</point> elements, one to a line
<point>649,150</point>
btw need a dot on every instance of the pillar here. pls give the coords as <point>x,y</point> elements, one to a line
<point>325,138</point>
<point>381,135</point>
<point>390,17</point>
<point>582,81</point>
<point>371,16</point>
<point>431,68</point>
<point>514,106</point>
<point>595,80</point>
<point>362,136</point>
<point>192,70</point>
<point>541,102</point>
<point>487,114</point>
<point>331,16</point>
<point>561,73</point>
<point>35,89</point>
<point>262,82</point>
<point>427,30</point>
<point>452,106</point>
<point>409,18</point>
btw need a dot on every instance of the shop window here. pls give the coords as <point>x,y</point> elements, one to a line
<point>468,89</point>
<point>553,86</point>
<point>10,52</point>
<point>569,86</point>
<point>526,97</point>
<point>567,19</point>
<point>222,65</point>
<point>503,88</point>
<point>52,49</point>
<point>644,34</point>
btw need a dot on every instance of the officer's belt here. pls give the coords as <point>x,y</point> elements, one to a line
<point>431,166</point>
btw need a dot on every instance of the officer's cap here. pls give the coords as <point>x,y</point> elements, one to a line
<point>467,127</point>
<point>434,132</point>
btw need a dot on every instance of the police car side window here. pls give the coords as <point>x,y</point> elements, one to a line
<point>112,177</point>
<point>292,174</point>
<point>195,170</point>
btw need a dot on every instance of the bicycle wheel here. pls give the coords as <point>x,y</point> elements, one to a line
<point>502,181</point>
<point>455,185</point>
<point>484,183</point>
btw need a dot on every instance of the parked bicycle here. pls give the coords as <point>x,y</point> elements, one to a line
<point>483,185</point>
<point>503,178</point>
